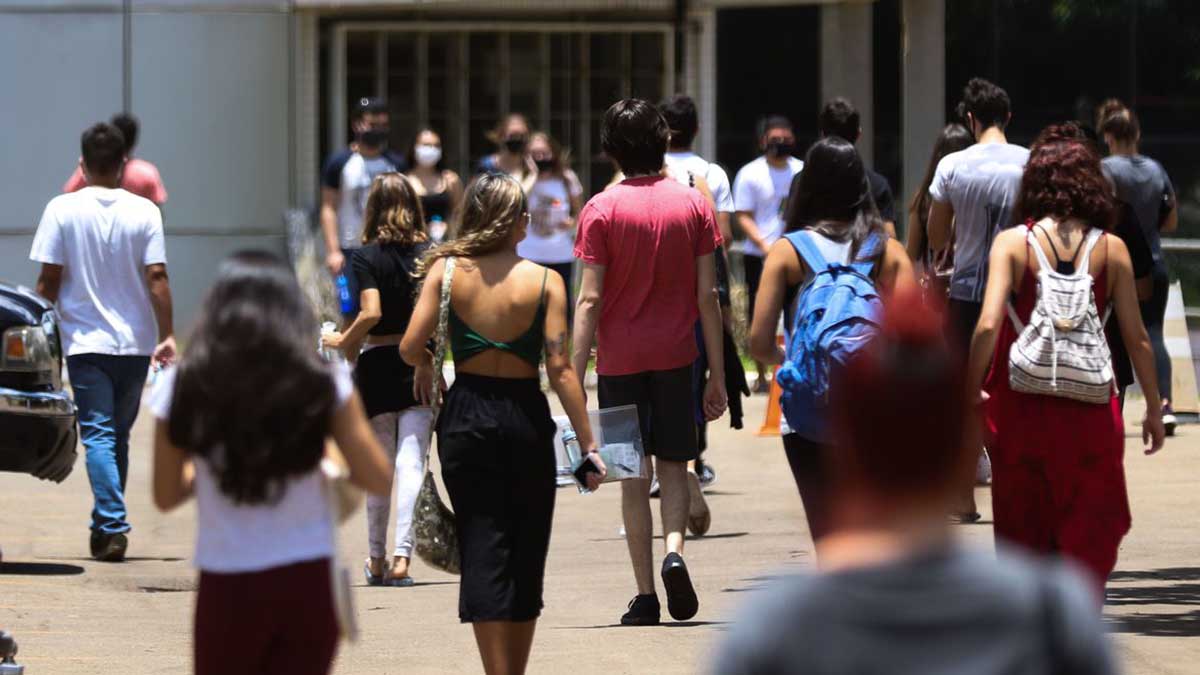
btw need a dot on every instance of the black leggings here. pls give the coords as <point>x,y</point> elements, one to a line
<point>810,470</point>
<point>1153,312</point>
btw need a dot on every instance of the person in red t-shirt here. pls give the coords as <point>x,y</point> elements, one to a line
<point>137,176</point>
<point>647,247</point>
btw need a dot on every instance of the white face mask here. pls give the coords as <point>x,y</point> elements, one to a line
<point>427,155</point>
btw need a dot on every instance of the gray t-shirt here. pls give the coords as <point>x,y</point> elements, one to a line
<point>1143,184</point>
<point>981,183</point>
<point>949,612</point>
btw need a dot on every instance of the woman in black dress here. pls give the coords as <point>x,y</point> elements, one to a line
<point>495,435</point>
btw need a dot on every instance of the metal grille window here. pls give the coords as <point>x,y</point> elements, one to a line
<point>460,79</point>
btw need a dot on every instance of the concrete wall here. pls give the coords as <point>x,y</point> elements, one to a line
<point>210,81</point>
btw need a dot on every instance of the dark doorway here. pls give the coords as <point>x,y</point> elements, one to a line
<point>768,62</point>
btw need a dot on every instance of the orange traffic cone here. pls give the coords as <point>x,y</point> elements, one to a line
<point>770,425</point>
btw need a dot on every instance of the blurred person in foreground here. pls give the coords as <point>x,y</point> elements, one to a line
<point>137,176</point>
<point>250,453</point>
<point>896,593</point>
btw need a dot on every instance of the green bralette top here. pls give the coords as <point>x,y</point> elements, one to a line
<point>466,343</point>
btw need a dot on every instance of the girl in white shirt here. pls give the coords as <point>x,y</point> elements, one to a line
<point>242,424</point>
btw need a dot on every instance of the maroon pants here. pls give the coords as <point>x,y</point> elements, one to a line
<point>280,620</point>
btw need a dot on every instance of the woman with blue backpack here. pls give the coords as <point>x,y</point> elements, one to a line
<point>828,276</point>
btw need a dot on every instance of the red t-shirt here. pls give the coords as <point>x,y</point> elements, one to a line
<point>138,176</point>
<point>647,233</point>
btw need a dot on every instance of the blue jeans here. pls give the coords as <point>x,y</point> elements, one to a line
<point>108,390</point>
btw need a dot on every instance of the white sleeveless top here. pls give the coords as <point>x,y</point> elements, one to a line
<point>234,538</point>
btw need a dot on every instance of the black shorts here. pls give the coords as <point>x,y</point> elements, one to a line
<point>666,409</point>
<point>961,317</point>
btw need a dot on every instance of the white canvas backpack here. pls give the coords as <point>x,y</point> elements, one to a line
<point>1063,351</point>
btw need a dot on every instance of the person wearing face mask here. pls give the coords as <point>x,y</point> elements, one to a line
<point>554,203</point>
<point>511,137</point>
<point>345,181</point>
<point>760,192</point>
<point>439,188</point>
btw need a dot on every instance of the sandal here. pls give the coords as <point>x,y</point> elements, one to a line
<point>372,579</point>
<point>401,582</point>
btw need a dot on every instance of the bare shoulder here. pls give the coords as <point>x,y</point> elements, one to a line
<point>451,178</point>
<point>1012,239</point>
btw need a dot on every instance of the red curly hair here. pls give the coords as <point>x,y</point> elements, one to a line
<point>1063,180</point>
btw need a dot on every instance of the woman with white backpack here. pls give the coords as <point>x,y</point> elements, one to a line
<point>833,222</point>
<point>1041,364</point>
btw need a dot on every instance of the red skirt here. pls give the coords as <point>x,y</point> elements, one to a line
<point>1058,479</point>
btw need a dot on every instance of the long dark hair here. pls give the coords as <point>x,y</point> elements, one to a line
<point>252,395</point>
<point>954,137</point>
<point>833,197</point>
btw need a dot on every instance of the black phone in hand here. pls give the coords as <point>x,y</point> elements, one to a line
<point>585,467</point>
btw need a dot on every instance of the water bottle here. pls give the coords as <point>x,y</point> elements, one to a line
<point>331,355</point>
<point>574,455</point>
<point>343,291</point>
<point>437,229</point>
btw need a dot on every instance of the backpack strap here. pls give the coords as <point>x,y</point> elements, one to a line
<point>804,245</point>
<point>868,248</point>
<point>1032,240</point>
<point>1093,237</point>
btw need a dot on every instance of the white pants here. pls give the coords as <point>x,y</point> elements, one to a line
<point>405,436</point>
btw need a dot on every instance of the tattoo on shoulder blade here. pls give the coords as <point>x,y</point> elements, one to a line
<point>557,346</point>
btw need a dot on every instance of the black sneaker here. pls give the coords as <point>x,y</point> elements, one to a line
<point>644,610</point>
<point>682,602</point>
<point>109,547</point>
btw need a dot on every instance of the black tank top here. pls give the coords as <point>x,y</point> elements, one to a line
<point>436,206</point>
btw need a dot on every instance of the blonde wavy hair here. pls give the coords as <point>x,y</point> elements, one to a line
<point>492,207</point>
<point>393,214</point>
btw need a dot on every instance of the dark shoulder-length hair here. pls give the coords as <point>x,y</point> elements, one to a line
<point>954,137</point>
<point>833,197</point>
<point>252,395</point>
<point>1063,179</point>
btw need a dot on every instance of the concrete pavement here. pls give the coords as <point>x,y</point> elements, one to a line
<point>73,615</point>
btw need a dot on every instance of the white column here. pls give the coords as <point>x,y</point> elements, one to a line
<point>846,63</point>
<point>701,68</point>
<point>923,91</point>
<point>305,109</point>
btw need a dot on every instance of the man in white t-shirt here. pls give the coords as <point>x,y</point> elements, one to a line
<point>760,193</point>
<point>104,264</point>
<point>973,193</point>
<point>345,182</point>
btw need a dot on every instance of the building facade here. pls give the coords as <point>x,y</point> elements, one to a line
<point>240,99</point>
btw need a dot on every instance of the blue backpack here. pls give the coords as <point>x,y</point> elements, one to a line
<point>837,316</point>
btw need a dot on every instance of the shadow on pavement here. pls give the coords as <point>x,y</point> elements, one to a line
<point>40,569</point>
<point>1177,587</point>
<point>664,624</point>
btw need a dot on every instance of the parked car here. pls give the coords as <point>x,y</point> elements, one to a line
<point>37,416</point>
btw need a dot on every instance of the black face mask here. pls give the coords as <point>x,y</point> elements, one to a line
<point>779,149</point>
<point>544,165</point>
<point>374,138</point>
<point>516,144</point>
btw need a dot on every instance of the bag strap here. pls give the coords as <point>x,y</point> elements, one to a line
<point>1089,243</point>
<point>868,248</point>
<point>441,339</point>
<point>1043,261</point>
<point>808,251</point>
